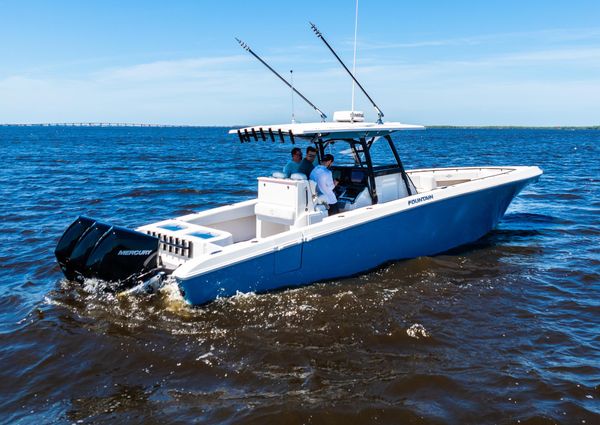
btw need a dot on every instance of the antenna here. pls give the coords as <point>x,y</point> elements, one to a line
<point>292,80</point>
<point>320,35</point>
<point>249,50</point>
<point>354,60</point>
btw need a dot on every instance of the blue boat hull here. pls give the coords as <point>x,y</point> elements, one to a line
<point>429,229</point>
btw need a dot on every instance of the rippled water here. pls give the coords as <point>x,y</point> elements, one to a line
<point>505,330</point>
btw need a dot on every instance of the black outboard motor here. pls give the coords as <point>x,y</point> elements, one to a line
<point>91,249</point>
<point>67,243</point>
<point>82,249</point>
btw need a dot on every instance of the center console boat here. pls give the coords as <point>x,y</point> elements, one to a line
<point>285,237</point>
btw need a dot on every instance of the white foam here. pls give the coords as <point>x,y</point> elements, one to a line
<point>417,331</point>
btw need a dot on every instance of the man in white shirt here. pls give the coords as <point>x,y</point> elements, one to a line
<point>322,176</point>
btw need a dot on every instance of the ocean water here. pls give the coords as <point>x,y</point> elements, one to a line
<point>505,330</point>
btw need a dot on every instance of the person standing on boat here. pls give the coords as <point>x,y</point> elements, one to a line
<point>294,164</point>
<point>306,166</point>
<point>322,176</point>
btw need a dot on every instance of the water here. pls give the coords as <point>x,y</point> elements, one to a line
<point>505,330</point>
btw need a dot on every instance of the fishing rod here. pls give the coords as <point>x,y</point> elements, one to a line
<point>249,50</point>
<point>320,35</point>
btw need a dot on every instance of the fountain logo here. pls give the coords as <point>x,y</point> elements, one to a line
<point>421,199</point>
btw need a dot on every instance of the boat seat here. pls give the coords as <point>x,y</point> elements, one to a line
<point>312,187</point>
<point>278,175</point>
<point>275,213</point>
<point>427,182</point>
<point>317,199</point>
<point>298,176</point>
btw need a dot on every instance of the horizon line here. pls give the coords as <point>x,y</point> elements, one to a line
<point>148,125</point>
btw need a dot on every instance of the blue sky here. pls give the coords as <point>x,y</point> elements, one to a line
<point>428,62</point>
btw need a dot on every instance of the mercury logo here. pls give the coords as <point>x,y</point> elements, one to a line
<point>135,252</point>
<point>421,199</point>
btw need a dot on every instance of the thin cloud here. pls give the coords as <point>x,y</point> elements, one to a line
<point>590,55</point>
<point>168,69</point>
<point>585,58</point>
<point>551,35</point>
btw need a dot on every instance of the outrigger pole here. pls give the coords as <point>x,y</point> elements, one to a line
<point>249,50</point>
<point>320,35</point>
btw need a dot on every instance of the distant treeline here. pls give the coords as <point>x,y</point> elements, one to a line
<point>92,124</point>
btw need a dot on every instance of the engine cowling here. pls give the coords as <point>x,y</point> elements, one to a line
<point>91,249</point>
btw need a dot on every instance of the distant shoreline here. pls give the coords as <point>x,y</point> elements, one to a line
<point>517,127</point>
<point>473,127</point>
<point>511,127</point>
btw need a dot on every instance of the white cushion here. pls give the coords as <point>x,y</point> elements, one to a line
<point>427,182</point>
<point>298,176</point>
<point>274,213</point>
<point>278,175</point>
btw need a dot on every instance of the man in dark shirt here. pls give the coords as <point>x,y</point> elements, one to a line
<point>306,166</point>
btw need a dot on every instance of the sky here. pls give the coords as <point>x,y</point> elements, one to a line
<point>423,62</point>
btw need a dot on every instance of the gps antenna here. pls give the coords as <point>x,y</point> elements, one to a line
<point>292,80</point>
<point>249,50</point>
<point>320,35</point>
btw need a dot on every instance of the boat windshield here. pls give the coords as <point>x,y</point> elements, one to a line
<point>346,156</point>
<point>381,154</point>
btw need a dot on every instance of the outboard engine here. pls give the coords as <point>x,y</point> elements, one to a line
<point>91,249</point>
<point>67,243</point>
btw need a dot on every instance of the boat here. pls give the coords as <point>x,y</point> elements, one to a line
<point>285,237</point>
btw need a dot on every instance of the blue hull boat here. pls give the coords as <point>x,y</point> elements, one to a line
<point>287,236</point>
<point>370,238</point>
